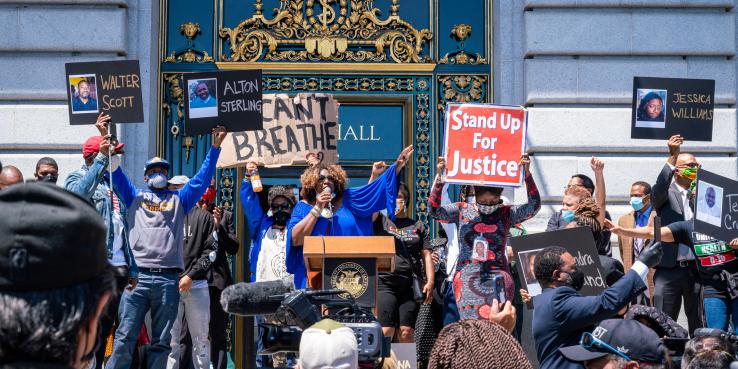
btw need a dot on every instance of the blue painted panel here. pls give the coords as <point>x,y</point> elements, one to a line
<point>235,11</point>
<point>195,11</point>
<point>452,12</point>
<point>369,133</point>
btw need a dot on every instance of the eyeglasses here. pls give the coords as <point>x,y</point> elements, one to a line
<point>691,165</point>
<point>323,178</point>
<point>589,341</point>
<point>572,186</point>
<point>283,207</point>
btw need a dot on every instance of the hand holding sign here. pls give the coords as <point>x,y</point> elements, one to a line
<point>525,163</point>
<point>219,134</point>
<point>102,123</point>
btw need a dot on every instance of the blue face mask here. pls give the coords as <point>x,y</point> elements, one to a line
<point>636,203</point>
<point>567,215</point>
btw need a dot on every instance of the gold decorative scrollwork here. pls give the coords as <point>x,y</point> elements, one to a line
<point>189,54</point>
<point>173,95</point>
<point>462,88</point>
<point>461,32</point>
<point>351,32</point>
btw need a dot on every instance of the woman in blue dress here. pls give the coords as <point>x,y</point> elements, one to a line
<point>351,208</point>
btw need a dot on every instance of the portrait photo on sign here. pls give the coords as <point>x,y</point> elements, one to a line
<point>527,261</point>
<point>709,203</point>
<point>203,99</point>
<point>651,110</point>
<point>83,88</point>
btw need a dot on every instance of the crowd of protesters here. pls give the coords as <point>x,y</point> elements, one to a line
<point>115,253</point>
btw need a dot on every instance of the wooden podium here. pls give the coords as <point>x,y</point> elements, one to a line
<point>349,263</point>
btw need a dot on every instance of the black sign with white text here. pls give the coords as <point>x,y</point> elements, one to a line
<point>716,206</point>
<point>111,87</point>
<point>231,99</point>
<point>663,107</point>
<point>577,241</point>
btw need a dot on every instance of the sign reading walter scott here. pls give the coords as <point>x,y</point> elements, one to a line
<point>111,87</point>
<point>231,99</point>
<point>663,107</point>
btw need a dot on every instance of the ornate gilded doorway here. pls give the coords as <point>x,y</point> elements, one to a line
<point>392,64</point>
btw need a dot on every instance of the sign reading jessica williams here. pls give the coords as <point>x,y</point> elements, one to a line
<point>663,107</point>
<point>483,144</point>
<point>111,87</point>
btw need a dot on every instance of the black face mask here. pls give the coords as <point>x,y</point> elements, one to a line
<point>575,279</point>
<point>281,218</point>
<point>48,178</point>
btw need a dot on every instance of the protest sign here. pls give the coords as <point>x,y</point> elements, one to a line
<point>292,128</point>
<point>577,241</point>
<point>112,87</point>
<point>483,144</point>
<point>663,107</point>
<point>406,355</point>
<point>231,99</point>
<point>716,210</point>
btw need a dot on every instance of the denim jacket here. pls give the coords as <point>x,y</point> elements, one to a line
<point>89,182</point>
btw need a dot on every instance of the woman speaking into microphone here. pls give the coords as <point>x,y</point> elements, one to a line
<point>328,208</point>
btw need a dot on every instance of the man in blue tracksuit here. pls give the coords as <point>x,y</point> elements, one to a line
<point>156,217</point>
<point>268,242</point>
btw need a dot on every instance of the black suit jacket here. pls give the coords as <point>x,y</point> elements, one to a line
<point>219,275</point>
<point>667,201</point>
<point>561,315</point>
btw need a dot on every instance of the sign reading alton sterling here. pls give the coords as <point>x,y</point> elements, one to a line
<point>483,144</point>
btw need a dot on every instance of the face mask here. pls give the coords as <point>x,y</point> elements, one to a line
<point>575,279</point>
<point>636,203</point>
<point>567,215</point>
<point>399,206</point>
<point>281,218</point>
<point>689,173</point>
<point>471,199</point>
<point>157,181</point>
<point>487,209</point>
<point>48,178</point>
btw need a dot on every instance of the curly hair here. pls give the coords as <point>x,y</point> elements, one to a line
<point>579,192</point>
<point>587,208</point>
<point>477,344</point>
<point>310,180</point>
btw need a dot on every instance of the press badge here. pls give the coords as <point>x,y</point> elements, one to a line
<point>479,249</point>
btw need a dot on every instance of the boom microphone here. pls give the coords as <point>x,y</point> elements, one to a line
<point>258,298</point>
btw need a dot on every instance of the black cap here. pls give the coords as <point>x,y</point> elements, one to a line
<point>49,239</point>
<point>629,337</point>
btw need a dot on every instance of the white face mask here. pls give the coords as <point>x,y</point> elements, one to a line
<point>471,199</point>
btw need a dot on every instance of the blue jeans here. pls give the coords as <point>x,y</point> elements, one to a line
<point>450,311</point>
<point>159,293</point>
<point>721,311</point>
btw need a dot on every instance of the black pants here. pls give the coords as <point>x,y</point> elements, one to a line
<point>110,318</point>
<point>218,343</point>
<point>674,284</point>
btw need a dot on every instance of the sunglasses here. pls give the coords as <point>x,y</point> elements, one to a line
<point>591,342</point>
<point>283,207</point>
<point>323,178</point>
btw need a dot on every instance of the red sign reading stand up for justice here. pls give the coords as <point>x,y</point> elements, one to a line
<point>484,143</point>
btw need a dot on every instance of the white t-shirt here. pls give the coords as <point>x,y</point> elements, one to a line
<point>271,264</point>
<point>119,259</point>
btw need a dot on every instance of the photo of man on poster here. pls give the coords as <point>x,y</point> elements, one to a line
<point>84,94</point>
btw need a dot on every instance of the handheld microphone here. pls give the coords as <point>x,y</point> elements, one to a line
<point>327,212</point>
<point>258,298</point>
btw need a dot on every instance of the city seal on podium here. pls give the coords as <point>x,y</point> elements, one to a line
<point>351,277</point>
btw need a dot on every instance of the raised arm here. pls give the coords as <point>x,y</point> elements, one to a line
<point>598,167</point>
<point>196,187</point>
<point>521,213</point>
<point>643,232</point>
<point>448,213</point>
<point>124,187</point>
<point>85,185</point>
<point>250,205</point>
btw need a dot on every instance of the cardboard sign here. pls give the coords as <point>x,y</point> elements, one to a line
<point>663,107</point>
<point>484,143</point>
<point>112,87</point>
<point>231,99</point>
<point>406,355</point>
<point>577,241</point>
<point>716,210</point>
<point>293,127</point>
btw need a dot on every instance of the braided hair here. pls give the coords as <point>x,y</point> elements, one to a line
<point>586,216</point>
<point>477,344</point>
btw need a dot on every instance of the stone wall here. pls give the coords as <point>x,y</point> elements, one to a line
<point>572,62</point>
<point>39,37</point>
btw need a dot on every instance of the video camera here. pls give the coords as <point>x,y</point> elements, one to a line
<point>301,309</point>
